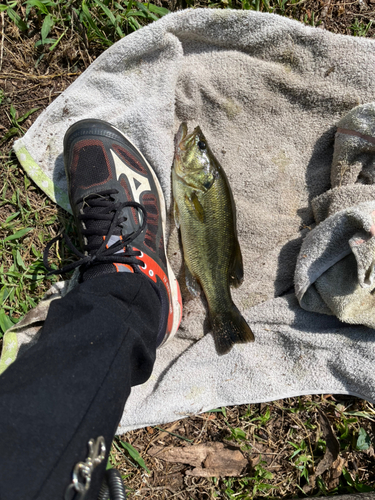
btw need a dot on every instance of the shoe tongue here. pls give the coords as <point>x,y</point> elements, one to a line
<point>97,225</point>
<point>102,228</point>
<point>98,270</point>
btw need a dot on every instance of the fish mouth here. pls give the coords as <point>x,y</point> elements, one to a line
<point>178,146</point>
<point>180,136</point>
<point>183,142</point>
<point>182,139</point>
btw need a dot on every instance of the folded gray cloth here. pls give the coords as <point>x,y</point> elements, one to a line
<point>335,269</point>
<point>268,93</point>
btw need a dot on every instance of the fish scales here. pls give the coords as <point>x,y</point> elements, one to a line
<point>205,214</point>
<point>204,254</point>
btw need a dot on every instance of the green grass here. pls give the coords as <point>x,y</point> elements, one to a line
<point>15,122</point>
<point>304,444</point>
<point>100,21</point>
<point>24,225</point>
<point>24,228</point>
<point>249,487</point>
<point>359,28</point>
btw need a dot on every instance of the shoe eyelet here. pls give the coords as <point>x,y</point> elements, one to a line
<point>151,272</point>
<point>141,255</point>
<point>144,266</point>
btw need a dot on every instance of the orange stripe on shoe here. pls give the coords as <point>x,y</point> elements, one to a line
<point>152,269</point>
<point>179,299</point>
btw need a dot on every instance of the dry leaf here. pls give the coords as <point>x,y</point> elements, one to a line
<point>332,446</point>
<point>330,455</point>
<point>335,473</point>
<point>370,451</point>
<point>164,433</point>
<point>209,459</point>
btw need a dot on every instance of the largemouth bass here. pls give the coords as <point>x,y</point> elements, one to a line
<point>205,214</point>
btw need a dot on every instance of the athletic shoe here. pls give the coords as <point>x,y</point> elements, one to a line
<point>119,208</point>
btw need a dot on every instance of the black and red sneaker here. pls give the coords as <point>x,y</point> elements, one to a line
<point>120,213</point>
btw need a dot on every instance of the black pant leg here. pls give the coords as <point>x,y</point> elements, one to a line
<point>97,342</point>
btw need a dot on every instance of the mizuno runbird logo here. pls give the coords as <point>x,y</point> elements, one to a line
<point>137,183</point>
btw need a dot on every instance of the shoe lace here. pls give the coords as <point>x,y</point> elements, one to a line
<point>101,207</point>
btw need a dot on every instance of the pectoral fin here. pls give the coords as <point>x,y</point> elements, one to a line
<point>195,206</point>
<point>192,284</point>
<point>176,215</point>
<point>236,271</point>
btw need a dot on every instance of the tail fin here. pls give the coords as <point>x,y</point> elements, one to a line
<point>229,328</point>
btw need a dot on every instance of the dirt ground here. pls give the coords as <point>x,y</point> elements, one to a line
<point>268,429</point>
<point>31,77</point>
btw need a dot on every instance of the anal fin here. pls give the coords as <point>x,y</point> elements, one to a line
<point>236,270</point>
<point>192,284</point>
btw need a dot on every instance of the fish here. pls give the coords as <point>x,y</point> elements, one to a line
<point>204,212</point>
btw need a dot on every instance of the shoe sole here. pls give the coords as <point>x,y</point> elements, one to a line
<point>174,286</point>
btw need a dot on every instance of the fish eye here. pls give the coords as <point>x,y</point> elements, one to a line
<point>202,145</point>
